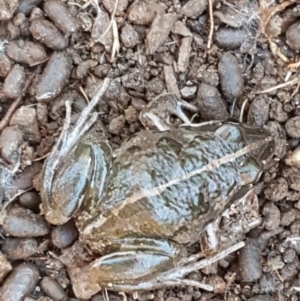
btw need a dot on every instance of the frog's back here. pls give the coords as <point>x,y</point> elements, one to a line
<point>167,183</point>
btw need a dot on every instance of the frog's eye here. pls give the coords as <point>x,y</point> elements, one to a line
<point>249,171</point>
<point>229,132</point>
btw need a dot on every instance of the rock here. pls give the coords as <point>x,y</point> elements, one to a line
<point>25,118</point>
<point>47,33</point>
<point>188,92</point>
<point>13,83</point>
<point>54,77</point>
<point>121,6</point>
<point>116,124</point>
<point>293,36</point>
<point>60,15</point>
<point>193,8</point>
<point>26,52</point>
<point>5,65</point>
<point>159,31</point>
<point>21,222</point>
<point>19,284</point>
<point>171,81</point>
<point>181,29</point>
<point>210,103</point>
<point>26,6</point>
<point>7,9</point>
<point>229,38</point>
<point>144,12</point>
<point>231,77</point>
<point>129,36</point>
<point>101,23</point>
<point>184,54</point>
<point>10,141</point>
<point>292,127</point>
<point>19,248</point>
<point>231,17</point>
<point>258,113</point>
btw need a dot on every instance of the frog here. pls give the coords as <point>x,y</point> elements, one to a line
<point>138,207</point>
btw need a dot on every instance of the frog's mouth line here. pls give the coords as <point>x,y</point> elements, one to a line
<point>142,193</point>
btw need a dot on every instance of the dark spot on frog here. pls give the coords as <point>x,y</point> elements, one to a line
<point>133,149</point>
<point>191,162</point>
<point>229,133</point>
<point>198,207</point>
<point>169,146</point>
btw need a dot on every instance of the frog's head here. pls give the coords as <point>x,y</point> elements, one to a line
<point>258,150</point>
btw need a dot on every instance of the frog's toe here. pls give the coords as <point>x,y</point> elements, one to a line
<point>157,113</point>
<point>178,110</point>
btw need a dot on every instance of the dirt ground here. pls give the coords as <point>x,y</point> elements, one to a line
<point>230,58</point>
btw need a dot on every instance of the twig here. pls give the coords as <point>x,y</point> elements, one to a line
<point>16,102</point>
<point>243,109</point>
<point>116,43</point>
<point>291,82</point>
<point>268,13</point>
<point>211,23</point>
<point>293,65</point>
<point>111,18</point>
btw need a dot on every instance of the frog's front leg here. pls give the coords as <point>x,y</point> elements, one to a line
<point>136,260</point>
<point>157,113</point>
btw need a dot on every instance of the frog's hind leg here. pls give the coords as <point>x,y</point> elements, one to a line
<point>157,113</point>
<point>174,277</point>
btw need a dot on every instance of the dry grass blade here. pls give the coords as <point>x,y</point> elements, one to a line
<point>291,82</point>
<point>211,23</point>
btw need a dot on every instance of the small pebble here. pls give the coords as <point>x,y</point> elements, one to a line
<point>250,261</point>
<point>144,12</point>
<point>21,281</point>
<point>10,141</point>
<point>13,83</point>
<point>277,190</point>
<point>7,9</point>
<point>5,266</point>
<point>184,54</point>
<point>25,119</point>
<point>159,31</point>
<point>210,103</point>
<point>272,216</point>
<point>293,36</point>
<point>21,222</point>
<point>292,127</point>
<point>26,6</point>
<point>287,217</point>
<point>5,65</point>
<point>188,92</point>
<point>267,284</point>
<point>229,38</point>
<point>19,248</point>
<point>193,8</point>
<point>258,113</point>
<point>116,124</point>
<point>53,289</point>
<point>30,200</point>
<point>289,255</point>
<point>131,114</point>
<point>110,6</point>
<point>54,77</point>
<point>59,14</point>
<point>129,36</point>
<point>64,235</point>
<point>231,78</point>
<point>26,52</point>
<point>47,33</point>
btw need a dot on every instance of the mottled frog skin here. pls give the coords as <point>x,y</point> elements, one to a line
<point>158,191</point>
